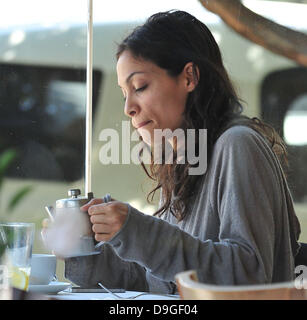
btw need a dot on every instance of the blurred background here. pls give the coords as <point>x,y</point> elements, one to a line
<point>43,98</point>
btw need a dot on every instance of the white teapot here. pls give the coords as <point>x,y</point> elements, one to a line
<point>70,233</point>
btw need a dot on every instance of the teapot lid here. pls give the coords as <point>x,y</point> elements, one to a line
<point>75,201</point>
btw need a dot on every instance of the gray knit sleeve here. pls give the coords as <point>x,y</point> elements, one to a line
<point>107,268</point>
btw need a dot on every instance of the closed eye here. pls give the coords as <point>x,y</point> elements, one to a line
<point>138,90</point>
<point>141,89</point>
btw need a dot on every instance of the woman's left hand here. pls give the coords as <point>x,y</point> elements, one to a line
<point>107,218</point>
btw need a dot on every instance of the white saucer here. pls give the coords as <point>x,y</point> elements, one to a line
<point>51,288</point>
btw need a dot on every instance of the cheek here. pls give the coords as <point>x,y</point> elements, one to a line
<point>179,110</point>
<point>164,108</point>
<point>173,108</point>
<point>172,117</point>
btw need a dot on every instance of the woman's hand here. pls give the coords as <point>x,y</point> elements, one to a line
<point>107,218</point>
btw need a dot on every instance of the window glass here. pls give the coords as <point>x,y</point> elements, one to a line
<point>43,118</point>
<point>295,122</point>
<point>284,105</point>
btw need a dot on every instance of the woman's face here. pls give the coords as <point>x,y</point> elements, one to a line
<point>153,99</point>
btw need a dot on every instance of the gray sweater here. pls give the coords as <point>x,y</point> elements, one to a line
<point>242,228</point>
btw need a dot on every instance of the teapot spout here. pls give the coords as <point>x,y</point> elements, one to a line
<point>50,211</point>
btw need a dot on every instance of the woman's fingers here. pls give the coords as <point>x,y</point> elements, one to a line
<point>101,228</point>
<point>99,218</point>
<point>91,203</point>
<point>107,208</point>
<point>97,209</point>
<point>94,202</point>
<point>102,237</point>
<point>107,219</point>
<point>105,223</point>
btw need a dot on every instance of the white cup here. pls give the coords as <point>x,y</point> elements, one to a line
<point>43,269</point>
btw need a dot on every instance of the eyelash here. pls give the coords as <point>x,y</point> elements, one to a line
<point>138,90</point>
<point>141,89</point>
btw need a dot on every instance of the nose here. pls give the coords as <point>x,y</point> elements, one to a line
<point>130,108</point>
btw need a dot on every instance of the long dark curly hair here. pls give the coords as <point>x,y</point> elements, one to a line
<point>170,40</point>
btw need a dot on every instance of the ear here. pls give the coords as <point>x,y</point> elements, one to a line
<point>191,76</point>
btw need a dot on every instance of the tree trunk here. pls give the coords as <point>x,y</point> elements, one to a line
<point>266,33</point>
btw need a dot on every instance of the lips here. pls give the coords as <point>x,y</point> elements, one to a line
<point>142,124</point>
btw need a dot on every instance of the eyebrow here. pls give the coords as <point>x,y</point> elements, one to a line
<point>131,75</point>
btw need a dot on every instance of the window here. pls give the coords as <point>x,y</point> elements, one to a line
<point>43,117</point>
<point>295,123</point>
<point>284,105</point>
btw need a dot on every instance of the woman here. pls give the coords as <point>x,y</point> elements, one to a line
<point>235,223</point>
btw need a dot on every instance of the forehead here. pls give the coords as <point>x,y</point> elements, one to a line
<point>128,64</point>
